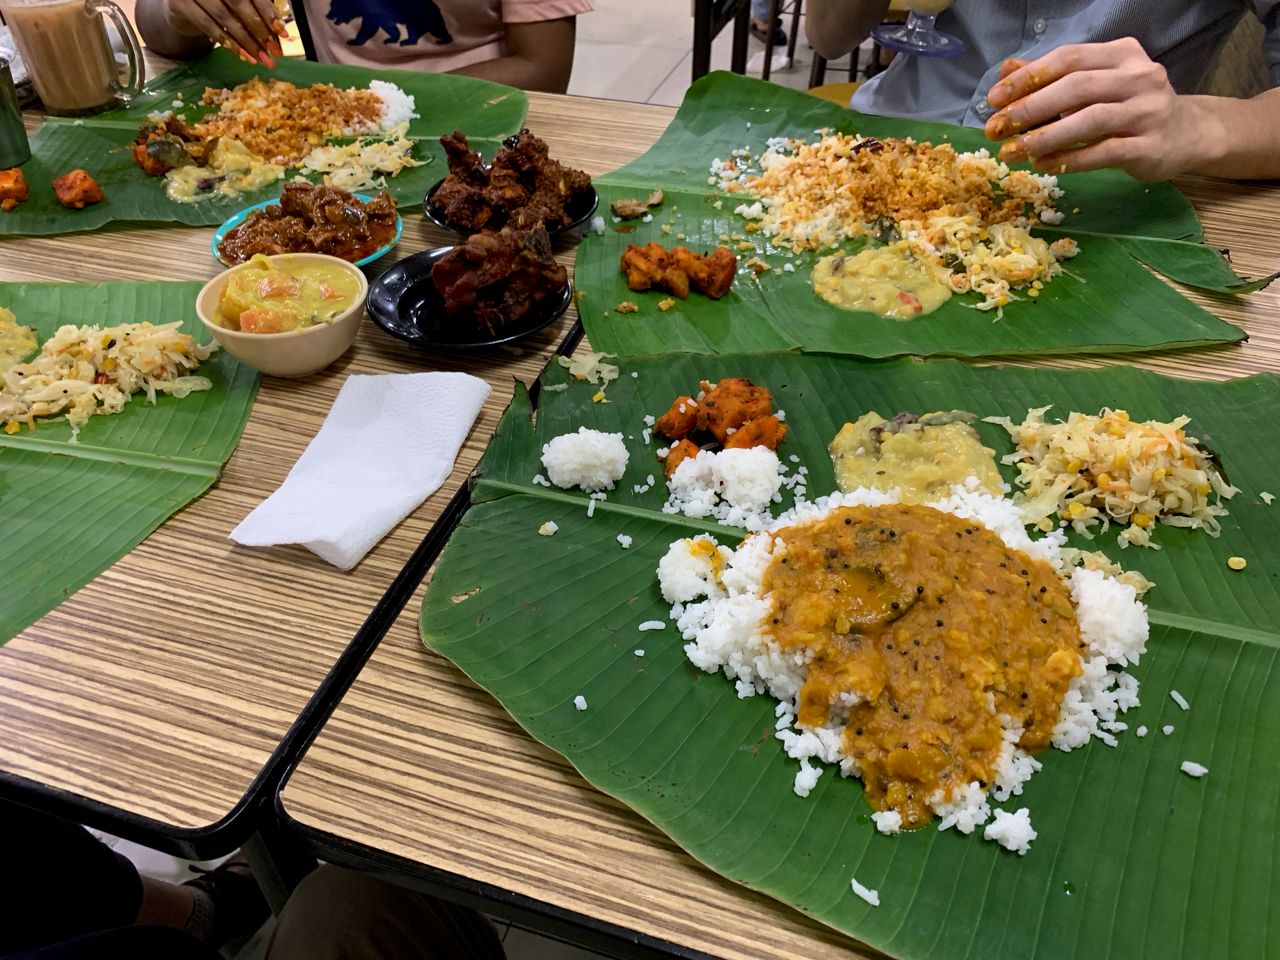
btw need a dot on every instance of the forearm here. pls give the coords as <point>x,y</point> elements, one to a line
<point>834,27</point>
<point>1235,139</point>
<point>517,71</point>
<point>166,34</point>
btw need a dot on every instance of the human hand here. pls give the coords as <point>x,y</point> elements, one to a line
<point>248,27</point>
<point>1091,105</point>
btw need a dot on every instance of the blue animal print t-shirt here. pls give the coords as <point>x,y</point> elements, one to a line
<point>435,35</point>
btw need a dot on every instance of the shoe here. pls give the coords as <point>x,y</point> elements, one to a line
<point>239,906</point>
<point>761,33</point>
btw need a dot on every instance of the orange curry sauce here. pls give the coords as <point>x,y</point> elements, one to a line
<point>926,616</point>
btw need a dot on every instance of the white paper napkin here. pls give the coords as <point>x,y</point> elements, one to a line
<point>387,444</point>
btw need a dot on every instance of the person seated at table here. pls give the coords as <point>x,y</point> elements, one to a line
<point>522,43</point>
<point>80,900</point>
<point>74,897</point>
<point>1108,83</point>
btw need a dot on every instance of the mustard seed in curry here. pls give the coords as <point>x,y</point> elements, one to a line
<point>931,620</point>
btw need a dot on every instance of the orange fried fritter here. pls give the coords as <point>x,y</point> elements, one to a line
<point>679,269</point>
<point>13,185</point>
<point>680,421</point>
<point>77,190</point>
<point>730,404</point>
<point>678,454</point>
<point>761,432</point>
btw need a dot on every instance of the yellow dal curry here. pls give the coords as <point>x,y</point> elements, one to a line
<point>880,280</point>
<point>926,616</point>
<point>922,457</point>
<point>16,341</point>
<point>267,298</point>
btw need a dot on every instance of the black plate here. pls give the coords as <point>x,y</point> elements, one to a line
<point>404,302</point>
<point>580,210</point>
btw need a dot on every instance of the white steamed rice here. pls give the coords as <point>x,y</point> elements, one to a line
<point>588,459</point>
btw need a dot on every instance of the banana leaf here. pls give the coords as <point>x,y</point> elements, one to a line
<point>486,111</point>
<point>1106,303</point>
<point>68,510</point>
<point>1133,858</point>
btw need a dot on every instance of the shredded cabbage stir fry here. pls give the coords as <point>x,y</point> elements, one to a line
<point>366,163</point>
<point>1092,471</point>
<point>85,371</point>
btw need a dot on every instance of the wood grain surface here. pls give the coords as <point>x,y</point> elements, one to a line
<point>420,763</point>
<point>163,686</point>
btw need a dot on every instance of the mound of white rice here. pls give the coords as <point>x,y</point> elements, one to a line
<point>397,106</point>
<point>589,459</point>
<point>721,612</point>
<point>736,486</point>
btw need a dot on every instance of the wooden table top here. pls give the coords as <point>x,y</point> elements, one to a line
<point>162,687</point>
<point>419,763</point>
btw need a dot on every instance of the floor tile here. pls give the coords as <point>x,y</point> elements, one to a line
<point>648,23</point>
<point>620,71</point>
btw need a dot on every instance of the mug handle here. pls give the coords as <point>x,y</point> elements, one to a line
<point>132,49</point>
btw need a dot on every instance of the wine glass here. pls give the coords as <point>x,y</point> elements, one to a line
<point>918,35</point>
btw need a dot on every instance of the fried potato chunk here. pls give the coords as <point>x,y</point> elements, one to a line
<point>679,269</point>
<point>680,421</point>
<point>760,432</point>
<point>731,403</point>
<point>77,190</point>
<point>678,454</point>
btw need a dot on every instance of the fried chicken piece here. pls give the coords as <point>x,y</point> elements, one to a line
<point>523,187</point>
<point>680,421</point>
<point>730,404</point>
<point>495,278</point>
<point>679,269</point>
<point>761,432</point>
<point>13,188</point>
<point>677,454</point>
<point>77,190</point>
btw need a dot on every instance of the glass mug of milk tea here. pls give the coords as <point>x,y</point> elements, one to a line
<point>64,44</point>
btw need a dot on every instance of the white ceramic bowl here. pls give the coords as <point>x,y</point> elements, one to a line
<point>298,353</point>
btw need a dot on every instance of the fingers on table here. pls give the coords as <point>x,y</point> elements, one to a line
<point>237,24</point>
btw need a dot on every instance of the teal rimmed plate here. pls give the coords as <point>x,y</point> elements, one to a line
<point>243,215</point>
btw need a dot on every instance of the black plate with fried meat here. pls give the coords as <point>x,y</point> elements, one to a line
<point>497,277</point>
<point>522,188</point>
<point>312,218</point>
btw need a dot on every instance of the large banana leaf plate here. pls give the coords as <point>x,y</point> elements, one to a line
<point>1108,302</point>
<point>1133,858</point>
<point>70,510</point>
<point>486,111</point>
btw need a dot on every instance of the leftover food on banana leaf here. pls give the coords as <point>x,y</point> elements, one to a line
<point>77,190</point>
<point>963,218</point>
<point>495,278</point>
<point>261,128</point>
<point>523,187</point>
<point>313,219</point>
<point>921,457</point>
<point>86,371</point>
<point>265,297</point>
<point>1095,470</point>
<point>13,189</point>
<point>679,270</point>
<point>629,208</point>
<point>931,650</point>
<point>16,341</point>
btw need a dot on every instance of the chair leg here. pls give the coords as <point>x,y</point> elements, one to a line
<point>795,32</point>
<point>818,71</point>
<point>702,13</point>
<point>768,39</point>
<point>741,33</point>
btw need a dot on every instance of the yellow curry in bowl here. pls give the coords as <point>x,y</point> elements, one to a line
<point>265,297</point>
